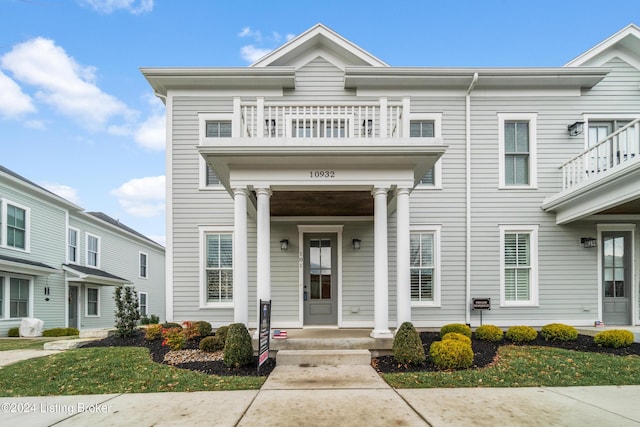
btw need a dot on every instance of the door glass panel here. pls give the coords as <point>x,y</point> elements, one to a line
<point>320,268</point>
<point>614,268</point>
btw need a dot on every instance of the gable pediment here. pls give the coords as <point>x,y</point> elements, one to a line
<point>625,45</point>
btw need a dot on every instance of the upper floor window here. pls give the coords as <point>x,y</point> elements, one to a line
<point>211,177</point>
<point>93,251</point>
<point>143,265</point>
<point>218,129</point>
<point>517,146</point>
<point>73,245</point>
<point>422,129</point>
<point>15,224</point>
<point>428,125</point>
<point>519,265</point>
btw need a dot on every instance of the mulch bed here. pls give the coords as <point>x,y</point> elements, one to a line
<point>484,354</point>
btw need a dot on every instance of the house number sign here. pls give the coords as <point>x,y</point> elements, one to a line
<point>322,174</point>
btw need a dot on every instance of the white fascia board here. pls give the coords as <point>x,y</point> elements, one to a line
<point>630,30</point>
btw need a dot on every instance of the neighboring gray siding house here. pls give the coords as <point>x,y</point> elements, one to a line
<point>355,194</point>
<point>61,264</point>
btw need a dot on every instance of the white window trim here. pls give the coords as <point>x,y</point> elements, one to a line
<point>203,118</point>
<point>86,301</point>
<point>203,231</point>
<point>437,133</point>
<point>147,302</point>
<point>436,230</point>
<point>532,118</point>
<point>4,225</point>
<point>86,260</point>
<point>532,230</point>
<point>77,261</point>
<point>140,265</point>
<point>6,296</point>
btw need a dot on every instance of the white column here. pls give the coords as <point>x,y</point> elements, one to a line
<point>240,258</point>
<point>263,245</point>
<point>381,267</point>
<point>403,257</point>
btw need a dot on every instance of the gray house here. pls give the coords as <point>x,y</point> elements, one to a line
<point>61,264</point>
<point>351,193</point>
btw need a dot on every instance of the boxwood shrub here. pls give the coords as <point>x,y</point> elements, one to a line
<point>559,332</point>
<point>204,327</point>
<point>407,346</point>
<point>460,328</point>
<point>238,350</point>
<point>614,338</point>
<point>221,337</point>
<point>457,337</point>
<point>14,332</point>
<point>60,332</point>
<point>521,334</point>
<point>451,354</point>
<point>489,333</point>
<point>208,344</point>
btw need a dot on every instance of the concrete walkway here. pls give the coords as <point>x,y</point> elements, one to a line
<point>335,395</point>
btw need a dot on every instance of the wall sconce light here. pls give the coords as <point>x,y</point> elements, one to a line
<point>47,290</point>
<point>575,128</point>
<point>284,244</point>
<point>355,244</point>
<point>271,126</point>
<point>588,242</point>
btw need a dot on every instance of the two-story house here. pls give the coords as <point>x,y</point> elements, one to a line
<point>351,193</point>
<point>61,264</point>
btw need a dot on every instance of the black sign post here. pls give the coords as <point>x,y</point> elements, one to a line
<point>481,304</point>
<point>264,332</point>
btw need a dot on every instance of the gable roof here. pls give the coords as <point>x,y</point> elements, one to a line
<point>319,40</point>
<point>624,44</point>
<point>116,223</point>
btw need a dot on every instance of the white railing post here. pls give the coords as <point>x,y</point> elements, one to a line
<point>260,123</point>
<point>383,118</point>
<point>406,117</point>
<point>236,130</point>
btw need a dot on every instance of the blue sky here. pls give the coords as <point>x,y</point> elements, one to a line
<point>77,117</point>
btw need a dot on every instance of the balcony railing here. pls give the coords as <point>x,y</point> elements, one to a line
<point>321,121</point>
<point>614,151</point>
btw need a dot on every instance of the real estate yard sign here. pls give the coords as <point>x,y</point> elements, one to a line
<point>265,331</point>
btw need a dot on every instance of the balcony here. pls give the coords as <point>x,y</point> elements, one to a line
<point>602,179</point>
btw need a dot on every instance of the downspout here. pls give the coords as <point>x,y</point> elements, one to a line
<point>467,309</point>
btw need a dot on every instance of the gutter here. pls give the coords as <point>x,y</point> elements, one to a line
<point>467,307</point>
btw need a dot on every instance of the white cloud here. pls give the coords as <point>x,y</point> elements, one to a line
<point>13,102</point>
<point>108,6</point>
<point>250,53</point>
<point>62,83</point>
<point>248,32</point>
<point>152,132</point>
<point>64,191</point>
<point>142,197</point>
<point>290,36</point>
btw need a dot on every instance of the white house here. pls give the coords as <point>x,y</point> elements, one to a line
<point>61,264</point>
<point>351,193</point>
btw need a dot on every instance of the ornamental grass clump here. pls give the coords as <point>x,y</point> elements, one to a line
<point>451,354</point>
<point>521,334</point>
<point>559,332</point>
<point>460,328</point>
<point>614,338</point>
<point>238,350</point>
<point>407,346</point>
<point>457,337</point>
<point>489,333</point>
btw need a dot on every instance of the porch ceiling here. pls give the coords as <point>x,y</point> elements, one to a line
<point>321,203</point>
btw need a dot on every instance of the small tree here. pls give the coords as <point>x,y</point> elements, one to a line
<point>127,314</point>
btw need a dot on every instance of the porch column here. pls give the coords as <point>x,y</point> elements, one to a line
<point>263,245</point>
<point>381,267</point>
<point>403,257</point>
<point>240,255</point>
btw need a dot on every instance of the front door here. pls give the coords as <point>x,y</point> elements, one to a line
<point>320,279</point>
<point>73,306</point>
<point>616,277</point>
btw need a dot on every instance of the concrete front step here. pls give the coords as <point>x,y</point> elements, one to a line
<point>323,357</point>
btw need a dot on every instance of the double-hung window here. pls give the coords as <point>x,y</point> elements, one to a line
<point>424,266</point>
<point>143,265</point>
<point>15,223</point>
<point>18,298</point>
<point>93,251</point>
<point>519,265</point>
<point>93,301</point>
<point>212,125</point>
<point>428,125</point>
<point>143,303</point>
<point>73,236</point>
<point>218,268</point>
<point>517,150</point>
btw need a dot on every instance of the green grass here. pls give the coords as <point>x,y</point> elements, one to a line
<point>27,343</point>
<point>109,370</point>
<point>519,366</point>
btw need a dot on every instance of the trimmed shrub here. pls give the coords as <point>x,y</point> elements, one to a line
<point>559,332</point>
<point>521,334</point>
<point>190,330</point>
<point>14,333</point>
<point>154,320</point>
<point>451,354</point>
<point>460,328</point>
<point>489,333</point>
<point>238,350</point>
<point>153,332</point>
<point>174,338</point>
<point>457,337</point>
<point>407,346</point>
<point>614,338</point>
<point>60,332</point>
<point>204,327</point>
<point>209,344</point>
<point>170,325</point>
<point>221,337</point>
